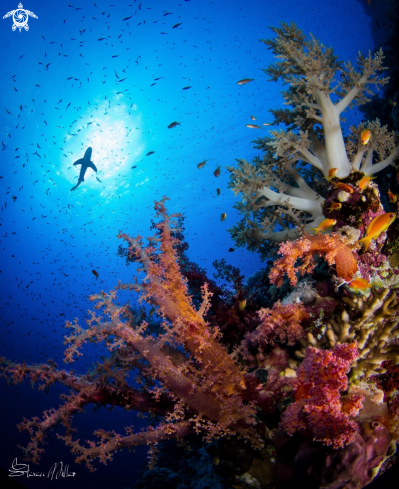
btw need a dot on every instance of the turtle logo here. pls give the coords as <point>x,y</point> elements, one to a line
<point>20,18</point>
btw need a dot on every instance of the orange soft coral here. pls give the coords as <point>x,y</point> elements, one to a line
<point>329,246</point>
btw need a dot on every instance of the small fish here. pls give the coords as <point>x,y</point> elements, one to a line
<point>95,273</point>
<point>335,206</point>
<point>133,167</point>
<point>359,284</point>
<point>217,171</point>
<point>253,126</point>
<point>185,88</point>
<point>150,153</point>
<point>242,304</point>
<point>173,124</point>
<point>223,217</point>
<point>267,124</point>
<point>364,182</point>
<point>99,180</point>
<point>201,165</point>
<point>392,197</point>
<point>244,81</point>
<point>365,136</point>
<point>343,186</point>
<point>377,226</point>
<point>176,25</point>
<point>218,191</point>
<point>253,118</point>
<point>324,225</point>
<point>331,174</point>
<point>230,250</point>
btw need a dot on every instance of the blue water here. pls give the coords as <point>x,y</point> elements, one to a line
<point>82,76</point>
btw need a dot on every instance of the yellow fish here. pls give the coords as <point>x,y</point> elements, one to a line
<point>324,225</point>
<point>359,284</point>
<point>331,174</point>
<point>392,197</point>
<point>365,136</point>
<point>344,187</point>
<point>335,206</point>
<point>377,226</point>
<point>242,304</point>
<point>364,181</point>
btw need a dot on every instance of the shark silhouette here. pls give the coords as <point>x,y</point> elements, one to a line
<point>86,163</point>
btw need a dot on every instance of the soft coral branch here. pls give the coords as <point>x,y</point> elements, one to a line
<point>196,384</point>
<point>330,246</point>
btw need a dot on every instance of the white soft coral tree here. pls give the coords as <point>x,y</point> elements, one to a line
<point>320,89</point>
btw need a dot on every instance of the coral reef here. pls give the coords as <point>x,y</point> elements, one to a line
<point>287,382</point>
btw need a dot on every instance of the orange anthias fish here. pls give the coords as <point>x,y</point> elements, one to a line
<point>95,273</point>
<point>217,172</point>
<point>359,284</point>
<point>253,126</point>
<point>324,225</point>
<point>331,174</point>
<point>365,136</point>
<point>377,226</point>
<point>335,206</point>
<point>343,186</point>
<point>392,197</point>
<point>364,182</point>
<point>223,217</point>
<point>244,81</point>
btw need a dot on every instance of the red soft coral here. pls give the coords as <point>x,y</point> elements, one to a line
<point>282,323</point>
<point>329,246</point>
<point>318,406</point>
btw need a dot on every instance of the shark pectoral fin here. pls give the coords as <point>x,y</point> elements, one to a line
<point>79,162</point>
<point>92,166</point>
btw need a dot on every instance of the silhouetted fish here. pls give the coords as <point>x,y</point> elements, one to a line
<point>86,163</point>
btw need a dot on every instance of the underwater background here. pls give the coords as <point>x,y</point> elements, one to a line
<point>113,77</point>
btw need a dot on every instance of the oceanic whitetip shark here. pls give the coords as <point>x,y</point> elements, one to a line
<point>86,163</point>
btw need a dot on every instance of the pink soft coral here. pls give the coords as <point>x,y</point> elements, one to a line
<point>318,406</point>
